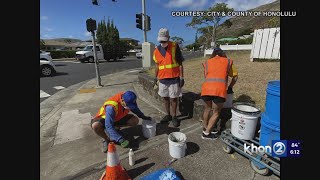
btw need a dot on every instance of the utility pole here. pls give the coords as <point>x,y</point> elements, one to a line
<point>144,13</point>
<point>96,61</point>
<point>91,27</point>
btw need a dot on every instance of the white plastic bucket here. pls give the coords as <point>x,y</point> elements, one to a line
<point>244,120</point>
<point>149,128</point>
<point>228,103</point>
<point>177,144</point>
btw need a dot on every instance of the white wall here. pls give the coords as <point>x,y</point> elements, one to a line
<point>230,47</point>
<point>266,44</point>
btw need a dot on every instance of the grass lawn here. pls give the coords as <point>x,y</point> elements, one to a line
<point>252,80</point>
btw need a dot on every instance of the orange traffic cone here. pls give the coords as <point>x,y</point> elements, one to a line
<point>114,171</point>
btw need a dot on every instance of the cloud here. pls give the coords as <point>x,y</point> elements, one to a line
<point>48,29</point>
<point>44,18</point>
<point>70,36</point>
<point>190,4</point>
<point>47,36</point>
<point>243,5</point>
<point>87,33</point>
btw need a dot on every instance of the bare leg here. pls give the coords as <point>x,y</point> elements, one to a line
<point>174,106</point>
<point>98,129</point>
<point>216,112</point>
<point>206,113</point>
<point>167,104</point>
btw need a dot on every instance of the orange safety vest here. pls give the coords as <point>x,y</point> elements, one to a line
<point>216,71</point>
<point>168,66</point>
<point>115,102</point>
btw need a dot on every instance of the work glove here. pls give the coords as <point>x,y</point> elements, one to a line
<point>146,118</point>
<point>181,82</point>
<point>229,91</point>
<point>124,143</point>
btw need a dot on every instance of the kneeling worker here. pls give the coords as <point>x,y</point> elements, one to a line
<point>115,114</point>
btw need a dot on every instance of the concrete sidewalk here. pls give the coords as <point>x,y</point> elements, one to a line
<point>69,149</point>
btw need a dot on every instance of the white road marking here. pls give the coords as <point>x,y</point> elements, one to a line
<point>59,87</point>
<point>44,94</point>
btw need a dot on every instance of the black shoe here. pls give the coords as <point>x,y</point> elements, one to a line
<point>175,121</point>
<point>210,136</point>
<point>213,130</point>
<point>105,146</point>
<point>167,118</point>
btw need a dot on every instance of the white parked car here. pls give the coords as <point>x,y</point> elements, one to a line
<point>47,68</point>
<point>139,55</point>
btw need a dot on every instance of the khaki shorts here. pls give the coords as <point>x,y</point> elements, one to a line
<point>172,90</point>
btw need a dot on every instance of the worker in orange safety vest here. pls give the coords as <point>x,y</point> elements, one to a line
<point>169,74</point>
<point>114,114</point>
<point>215,88</point>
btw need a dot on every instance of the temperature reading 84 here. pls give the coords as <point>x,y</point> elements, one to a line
<point>295,145</point>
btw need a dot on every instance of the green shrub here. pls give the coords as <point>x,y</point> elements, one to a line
<point>63,54</point>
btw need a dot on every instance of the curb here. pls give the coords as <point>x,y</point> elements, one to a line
<point>189,105</point>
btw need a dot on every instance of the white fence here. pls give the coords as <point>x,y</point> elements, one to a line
<point>230,47</point>
<point>266,44</point>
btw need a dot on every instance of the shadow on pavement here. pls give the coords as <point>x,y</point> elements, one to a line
<point>180,175</point>
<point>56,64</point>
<point>163,128</point>
<point>131,134</point>
<point>192,148</point>
<point>140,160</point>
<point>139,170</point>
<point>61,74</point>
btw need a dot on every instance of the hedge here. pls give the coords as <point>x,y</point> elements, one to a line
<point>63,54</point>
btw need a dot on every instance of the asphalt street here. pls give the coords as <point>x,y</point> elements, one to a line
<point>73,72</point>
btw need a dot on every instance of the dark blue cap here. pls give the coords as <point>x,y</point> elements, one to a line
<point>130,98</point>
<point>217,48</point>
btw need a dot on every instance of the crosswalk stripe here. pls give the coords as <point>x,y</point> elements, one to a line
<point>59,87</point>
<point>44,94</point>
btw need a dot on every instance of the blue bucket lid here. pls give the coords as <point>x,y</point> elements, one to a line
<point>274,87</point>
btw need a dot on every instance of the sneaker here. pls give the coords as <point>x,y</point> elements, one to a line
<point>175,122</point>
<point>213,130</point>
<point>167,118</point>
<point>105,146</point>
<point>210,136</point>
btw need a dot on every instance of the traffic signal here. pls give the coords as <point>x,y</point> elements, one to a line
<point>148,23</point>
<point>91,25</point>
<point>95,2</point>
<point>139,21</point>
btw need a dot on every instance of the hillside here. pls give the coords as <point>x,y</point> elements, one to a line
<point>249,23</point>
<point>67,40</point>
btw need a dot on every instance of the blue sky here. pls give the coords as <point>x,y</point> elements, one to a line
<point>67,18</point>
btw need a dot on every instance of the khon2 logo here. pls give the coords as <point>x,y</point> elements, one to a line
<point>278,148</point>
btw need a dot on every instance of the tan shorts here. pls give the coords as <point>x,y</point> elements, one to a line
<point>172,90</point>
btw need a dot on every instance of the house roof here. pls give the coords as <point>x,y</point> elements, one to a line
<point>227,39</point>
<point>79,44</point>
<point>49,42</point>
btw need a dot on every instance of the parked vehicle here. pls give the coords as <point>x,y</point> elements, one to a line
<point>86,54</point>
<point>139,55</point>
<point>47,68</point>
